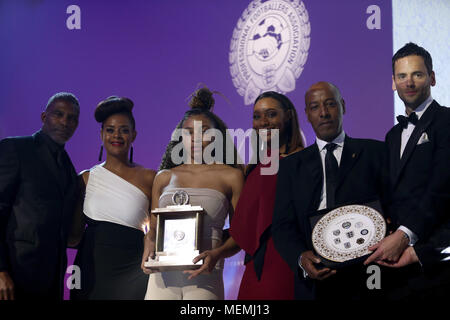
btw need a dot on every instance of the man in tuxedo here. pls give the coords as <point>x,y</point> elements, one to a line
<point>336,170</point>
<point>419,183</point>
<point>38,190</point>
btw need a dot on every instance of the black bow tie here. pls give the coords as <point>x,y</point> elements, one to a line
<point>404,120</point>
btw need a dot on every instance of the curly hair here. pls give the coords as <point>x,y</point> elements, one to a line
<point>201,103</point>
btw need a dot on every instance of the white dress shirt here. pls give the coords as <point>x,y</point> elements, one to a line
<point>406,134</point>
<point>337,152</point>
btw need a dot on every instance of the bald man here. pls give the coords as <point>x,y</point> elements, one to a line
<point>336,170</point>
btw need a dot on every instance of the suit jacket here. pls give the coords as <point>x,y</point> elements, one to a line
<point>35,215</point>
<point>419,188</point>
<point>299,186</point>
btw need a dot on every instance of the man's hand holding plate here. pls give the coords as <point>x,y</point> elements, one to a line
<point>308,262</point>
<point>389,249</point>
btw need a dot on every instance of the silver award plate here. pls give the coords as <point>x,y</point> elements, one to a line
<point>346,233</point>
<point>179,235</point>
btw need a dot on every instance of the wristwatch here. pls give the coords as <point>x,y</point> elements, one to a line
<point>406,236</point>
<point>305,274</point>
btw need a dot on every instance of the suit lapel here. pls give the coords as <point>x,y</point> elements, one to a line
<point>350,155</point>
<point>69,194</point>
<point>394,146</point>
<point>420,128</point>
<point>72,183</point>
<point>313,165</point>
<point>49,162</point>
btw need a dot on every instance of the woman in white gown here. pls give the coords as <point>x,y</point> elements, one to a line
<point>114,205</point>
<point>215,187</point>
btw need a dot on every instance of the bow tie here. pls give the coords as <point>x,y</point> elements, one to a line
<point>404,120</point>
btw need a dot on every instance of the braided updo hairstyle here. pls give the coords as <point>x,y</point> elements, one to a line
<point>201,103</point>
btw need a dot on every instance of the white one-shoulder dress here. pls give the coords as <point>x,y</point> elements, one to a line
<point>111,251</point>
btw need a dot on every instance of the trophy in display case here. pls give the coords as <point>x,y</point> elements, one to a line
<point>342,236</point>
<point>178,235</point>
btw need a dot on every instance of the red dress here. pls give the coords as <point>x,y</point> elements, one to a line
<point>252,217</point>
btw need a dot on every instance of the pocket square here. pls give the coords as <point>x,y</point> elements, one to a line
<point>423,139</point>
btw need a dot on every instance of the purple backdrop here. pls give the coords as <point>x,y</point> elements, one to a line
<point>156,52</point>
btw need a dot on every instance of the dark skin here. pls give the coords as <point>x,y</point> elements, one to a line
<point>267,114</point>
<point>220,177</point>
<point>59,122</point>
<point>6,286</point>
<point>324,108</point>
<point>117,135</point>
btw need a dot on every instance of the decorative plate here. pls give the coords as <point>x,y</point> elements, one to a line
<point>347,232</point>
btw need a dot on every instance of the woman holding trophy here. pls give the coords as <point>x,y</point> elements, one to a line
<point>267,276</point>
<point>214,186</point>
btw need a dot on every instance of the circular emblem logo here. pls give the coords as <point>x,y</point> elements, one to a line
<point>180,197</point>
<point>269,47</point>
<point>178,235</point>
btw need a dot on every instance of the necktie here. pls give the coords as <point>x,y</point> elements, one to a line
<point>331,171</point>
<point>404,120</point>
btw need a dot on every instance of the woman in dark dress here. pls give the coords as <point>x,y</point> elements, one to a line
<point>267,276</point>
<point>115,205</point>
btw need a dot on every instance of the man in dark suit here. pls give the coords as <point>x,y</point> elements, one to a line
<point>38,190</point>
<point>419,183</point>
<point>334,171</point>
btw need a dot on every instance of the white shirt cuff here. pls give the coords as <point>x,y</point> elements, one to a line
<point>305,274</point>
<point>412,236</point>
